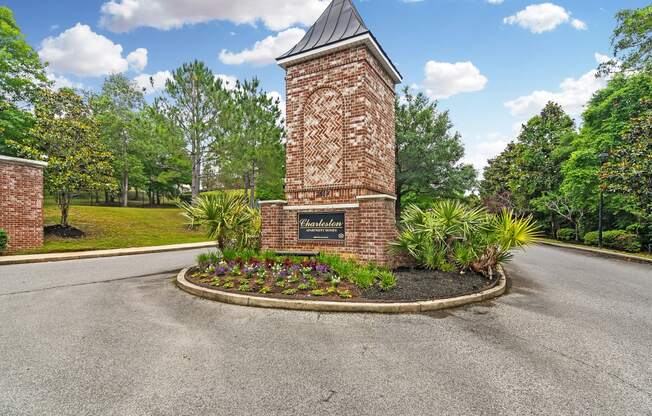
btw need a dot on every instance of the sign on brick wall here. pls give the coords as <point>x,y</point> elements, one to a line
<point>322,226</point>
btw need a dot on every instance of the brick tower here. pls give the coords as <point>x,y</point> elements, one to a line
<point>340,184</point>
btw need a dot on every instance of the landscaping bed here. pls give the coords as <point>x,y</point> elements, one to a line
<point>421,284</point>
<point>313,279</point>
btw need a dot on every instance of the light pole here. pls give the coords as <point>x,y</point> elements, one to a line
<point>603,158</point>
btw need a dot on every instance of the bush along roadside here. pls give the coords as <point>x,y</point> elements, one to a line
<point>615,239</point>
<point>4,240</point>
<point>326,276</point>
<point>452,236</point>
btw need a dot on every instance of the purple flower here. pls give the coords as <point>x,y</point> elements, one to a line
<point>322,268</point>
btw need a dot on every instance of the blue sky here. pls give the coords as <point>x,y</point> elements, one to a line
<point>492,63</point>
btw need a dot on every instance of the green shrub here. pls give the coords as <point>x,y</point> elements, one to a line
<point>452,235</point>
<point>566,234</point>
<point>4,240</point>
<point>227,219</point>
<point>387,280</point>
<point>615,239</point>
<point>363,276</point>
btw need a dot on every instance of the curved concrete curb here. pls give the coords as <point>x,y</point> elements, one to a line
<point>603,253</point>
<point>77,255</point>
<point>329,306</point>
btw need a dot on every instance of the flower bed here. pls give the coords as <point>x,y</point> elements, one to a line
<point>287,277</point>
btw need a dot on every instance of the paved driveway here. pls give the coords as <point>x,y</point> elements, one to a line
<point>115,337</point>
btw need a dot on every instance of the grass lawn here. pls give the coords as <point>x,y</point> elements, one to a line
<point>111,227</point>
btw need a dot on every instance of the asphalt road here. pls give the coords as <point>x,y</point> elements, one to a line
<point>116,337</point>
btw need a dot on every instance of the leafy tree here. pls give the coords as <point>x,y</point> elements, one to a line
<point>21,75</point>
<point>117,109</point>
<point>499,173</point>
<point>606,120</point>
<point>543,146</point>
<point>629,168</point>
<point>252,150</point>
<point>195,102</point>
<point>631,42</point>
<point>428,153</point>
<point>66,136</point>
<point>166,166</point>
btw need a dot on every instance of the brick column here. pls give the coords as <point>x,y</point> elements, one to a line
<point>272,224</point>
<point>21,202</point>
<point>377,229</point>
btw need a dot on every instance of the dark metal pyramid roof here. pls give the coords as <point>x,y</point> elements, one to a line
<point>340,21</point>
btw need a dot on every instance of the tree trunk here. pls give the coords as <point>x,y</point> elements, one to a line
<point>158,198</point>
<point>64,206</point>
<point>196,174</point>
<point>577,231</point>
<point>125,189</point>
<point>252,183</point>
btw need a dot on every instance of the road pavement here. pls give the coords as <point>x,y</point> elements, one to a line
<point>115,337</point>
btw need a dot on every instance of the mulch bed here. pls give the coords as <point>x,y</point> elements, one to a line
<point>61,231</point>
<point>418,284</point>
<point>412,285</point>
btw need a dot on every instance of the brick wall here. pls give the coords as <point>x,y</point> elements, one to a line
<point>340,121</point>
<point>341,144</point>
<point>21,203</point>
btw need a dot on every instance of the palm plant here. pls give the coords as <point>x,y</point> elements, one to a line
<point>227,219</point>
<point>453,235</point>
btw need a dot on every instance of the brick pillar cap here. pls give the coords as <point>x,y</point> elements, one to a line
<point>378,196</point>
<point>19,161</point>
<point>273,201</point>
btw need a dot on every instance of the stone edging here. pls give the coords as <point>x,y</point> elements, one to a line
<point>78,255</point>
<point>604,253</point>
<point>329,306</point>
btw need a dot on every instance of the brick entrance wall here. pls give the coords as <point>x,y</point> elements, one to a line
<point>21,202</point>
<point>339,155</point>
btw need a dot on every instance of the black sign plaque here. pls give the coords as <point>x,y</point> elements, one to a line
<point>321,226</point>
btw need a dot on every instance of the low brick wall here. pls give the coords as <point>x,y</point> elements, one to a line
<point>21,202</point>
<point>370,228</point>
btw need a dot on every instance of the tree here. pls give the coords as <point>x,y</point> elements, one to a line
<point>66,136</point>
<point>606,120</point>
<point>629,168</point>
<point>252,150</point>
<point>499,173</point>
<point>195,103</point>
<point>544,144</point>
<point>631,42</point>
<point>166,166</point>
<point>428,153</point>
<point>117,109</point>
<point>21,76</point>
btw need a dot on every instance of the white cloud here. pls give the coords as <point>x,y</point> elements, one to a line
<point>478,154</point>
<point>444,79</point>
<point>495,1</point>
<point>138,59</point>
<point>124,15</point>
<point>275,95</point>
<point>82,52</point>
<point>62,82</point>
<point>544,17</point>
<point>264,51</point>
<point>573,95</point>
<point>578,24</point>
<point>153,83</point>
<point>228,81</point>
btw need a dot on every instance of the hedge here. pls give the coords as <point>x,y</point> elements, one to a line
<point>4,240</point>
<point>566,234</point>
<point>616,239</point>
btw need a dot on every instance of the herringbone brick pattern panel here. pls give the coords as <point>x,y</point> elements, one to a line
<point>323,150</point>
